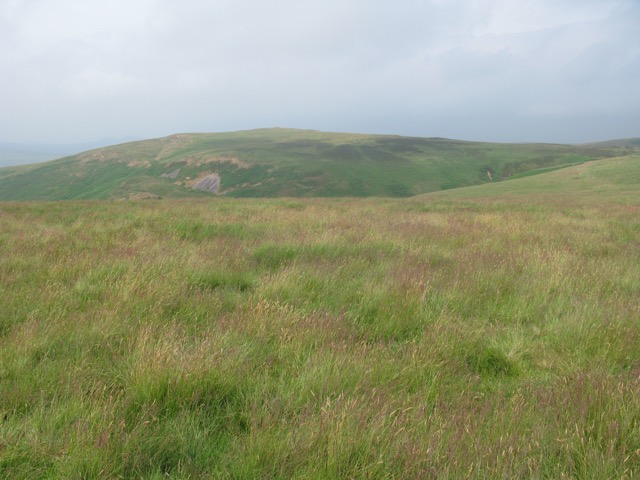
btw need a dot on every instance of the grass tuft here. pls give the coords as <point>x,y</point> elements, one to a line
<point>212,280</point>
<point>490,361</point>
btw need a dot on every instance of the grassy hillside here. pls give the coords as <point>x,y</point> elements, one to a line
<point>613,180</point>
<point>281,162</point>
<point>495,337</point>
<point>628,143</point>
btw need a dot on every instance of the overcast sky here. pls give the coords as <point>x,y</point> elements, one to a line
<point>497,70</point>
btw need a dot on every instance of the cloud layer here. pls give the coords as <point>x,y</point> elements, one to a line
<point>524,70</point>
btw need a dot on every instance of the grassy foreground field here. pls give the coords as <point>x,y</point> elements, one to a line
<point>320,339</point>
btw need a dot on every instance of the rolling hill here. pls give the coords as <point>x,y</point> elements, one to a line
<point>286,162</point>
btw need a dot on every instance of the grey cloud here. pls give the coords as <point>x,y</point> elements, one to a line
<point>75,70</point>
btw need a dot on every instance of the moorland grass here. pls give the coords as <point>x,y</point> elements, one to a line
<point>319,339</point>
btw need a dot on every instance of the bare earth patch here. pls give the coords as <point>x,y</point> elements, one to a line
<point>139,163</point>
<point>196,161</point>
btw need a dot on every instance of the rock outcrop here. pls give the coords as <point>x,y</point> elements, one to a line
<point>209,183</point>
<point>171,175</point>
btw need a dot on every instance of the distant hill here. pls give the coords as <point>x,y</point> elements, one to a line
<point>621,142</point>
<point>286,162</point>
<point>12,154</point>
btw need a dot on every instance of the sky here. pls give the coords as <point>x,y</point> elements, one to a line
<point>565,71</point>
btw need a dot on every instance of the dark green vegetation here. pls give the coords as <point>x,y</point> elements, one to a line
<point>490,332</point>
<point>281,162</point>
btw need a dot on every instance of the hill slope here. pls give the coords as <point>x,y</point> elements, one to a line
<point>615,180</point>
<point>283,162</point>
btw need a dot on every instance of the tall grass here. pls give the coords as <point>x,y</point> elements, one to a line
<point>319,339</point>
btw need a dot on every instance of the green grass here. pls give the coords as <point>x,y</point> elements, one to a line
<point>613,180</point>
<point>475,333</point>
<point>292,163</point>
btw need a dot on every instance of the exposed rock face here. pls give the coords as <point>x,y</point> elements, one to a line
<point>171,175</point>
<point>210,183</point>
